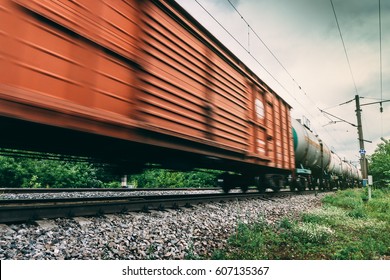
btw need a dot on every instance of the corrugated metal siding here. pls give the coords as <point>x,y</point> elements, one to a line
<point>174,84</point>
<point>256,121</point>
<point>270,119</point>
<point>111,24</point>
<point>278,129</point>
<point>56,62</point>
<point>188,88</point>
<point>141,61</point>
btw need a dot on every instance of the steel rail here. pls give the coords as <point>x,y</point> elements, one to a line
<point>58,190</point>
<point>22,210</point>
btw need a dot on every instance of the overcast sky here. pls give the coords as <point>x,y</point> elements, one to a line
<point>303,35</point>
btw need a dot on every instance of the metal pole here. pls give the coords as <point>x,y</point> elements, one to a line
<point>124,181</point>
<point>363,161</point>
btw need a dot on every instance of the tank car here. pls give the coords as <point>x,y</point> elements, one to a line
<point>311,156</point>
<point>316,164</point>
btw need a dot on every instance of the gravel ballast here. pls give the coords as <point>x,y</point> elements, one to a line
<point>171,234</point>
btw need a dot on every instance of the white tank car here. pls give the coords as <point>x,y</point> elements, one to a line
<point>335,165</point>
<point>307,147</point>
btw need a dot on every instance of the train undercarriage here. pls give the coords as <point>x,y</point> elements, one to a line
<point>300,182</point>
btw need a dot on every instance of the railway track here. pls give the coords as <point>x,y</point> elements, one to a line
<point>70,190</point>
<point>23,210</point>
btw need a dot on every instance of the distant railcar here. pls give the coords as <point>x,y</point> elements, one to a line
<point>317,165</point>
<point>137,82</point>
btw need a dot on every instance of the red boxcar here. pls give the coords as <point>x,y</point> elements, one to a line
<point>134,81</point>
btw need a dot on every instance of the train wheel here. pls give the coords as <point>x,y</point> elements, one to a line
<point>226,189</point>
<point>224,182</point>
<point>293,185</point>
<point>260,184</point>
<point>245,188</point>
<point>328,186</point>
<point>301,186</point>
<point>261,189</point>
<point>277,184</point>
<point>228,181</point>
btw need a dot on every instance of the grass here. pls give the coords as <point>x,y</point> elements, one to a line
<point>345,228</point>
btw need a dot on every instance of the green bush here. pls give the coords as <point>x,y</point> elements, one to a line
<point>379,163</point>
<point>160,178</point>
<point>42,173</point>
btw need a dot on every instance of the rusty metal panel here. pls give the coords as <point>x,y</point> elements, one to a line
<point>289,156</point>
<point>286,137</point>
<point>256,121</point>
<point>279,132</point>
<point>111,24</point>
<point>57,70</point>
<point>291,141</point>
<point>231,102</point>
<point>278,138</point>
<point>270,120</point>
<point>190,89</point>
<point>261,142</point>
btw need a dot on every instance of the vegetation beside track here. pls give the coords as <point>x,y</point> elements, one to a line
<point>160,178</point>
<point>347,227</point>
<point>18,172</point>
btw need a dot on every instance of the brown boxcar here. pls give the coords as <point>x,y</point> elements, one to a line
<point>134,81</point>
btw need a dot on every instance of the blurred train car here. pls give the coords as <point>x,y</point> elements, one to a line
<point>316,164</point>
<point>136,82</point>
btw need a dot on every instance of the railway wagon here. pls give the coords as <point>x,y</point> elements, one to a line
<point>316,164</point>
<point>135,82</point>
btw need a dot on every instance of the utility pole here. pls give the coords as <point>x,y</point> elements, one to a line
<point>363,160</point>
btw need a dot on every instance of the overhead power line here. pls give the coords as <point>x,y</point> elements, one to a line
<point>345,49</point>
<point>281,64</point>
<point>252,56</point>
<point>261,40</point>
<point>270,51</point>
<point>258,62</point>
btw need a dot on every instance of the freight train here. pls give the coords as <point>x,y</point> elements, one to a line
<point>317,165</point>
<point>138,82</point>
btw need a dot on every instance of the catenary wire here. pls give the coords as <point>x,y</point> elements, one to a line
<point>258,62</point>
<point>345,48</point>
<point>280,63</point>
<point>253,57</point>
<point>270,51</point>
